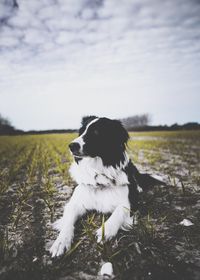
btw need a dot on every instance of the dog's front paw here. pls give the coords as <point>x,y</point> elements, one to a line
<point>59,246</point>
<point>109,232</point>
<point>58,225</point>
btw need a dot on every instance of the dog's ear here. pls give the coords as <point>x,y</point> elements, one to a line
<point>87,119</point>
<point>122,133</point>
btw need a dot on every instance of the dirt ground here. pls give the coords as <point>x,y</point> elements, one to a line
<point>35,185</point>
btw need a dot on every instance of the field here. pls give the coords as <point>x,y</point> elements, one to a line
<point>35,184</point>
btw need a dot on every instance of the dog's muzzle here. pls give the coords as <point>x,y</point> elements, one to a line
<point>74,148</point>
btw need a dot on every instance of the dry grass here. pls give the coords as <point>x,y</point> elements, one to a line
<point>35,184</point>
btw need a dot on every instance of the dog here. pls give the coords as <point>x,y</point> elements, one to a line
<point>108,181</point>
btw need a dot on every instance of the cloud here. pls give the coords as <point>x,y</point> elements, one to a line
<point>140,43</point>
<point>141,25</point>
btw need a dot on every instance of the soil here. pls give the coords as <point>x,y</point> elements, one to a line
<point>157,247</point>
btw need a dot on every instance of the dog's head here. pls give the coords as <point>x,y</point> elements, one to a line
<point>100,137</point>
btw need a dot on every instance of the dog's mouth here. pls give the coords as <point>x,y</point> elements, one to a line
<point>77,155</point>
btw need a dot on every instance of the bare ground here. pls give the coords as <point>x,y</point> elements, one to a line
<point>157,247</point>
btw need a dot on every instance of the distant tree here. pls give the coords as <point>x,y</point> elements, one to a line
<point>191,125</point>
<point>5,126</point>
<point>136,121</point>
<point>4,121</point>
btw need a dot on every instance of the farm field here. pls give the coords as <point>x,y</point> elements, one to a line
<point>35,185</point>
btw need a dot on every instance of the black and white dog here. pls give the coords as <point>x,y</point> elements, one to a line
<point>107,180</point>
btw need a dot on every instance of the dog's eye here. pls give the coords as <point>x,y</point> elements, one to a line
<point>96,132</point>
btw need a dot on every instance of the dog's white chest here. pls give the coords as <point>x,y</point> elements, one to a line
<point>107,199</point>
<point>91,171</point>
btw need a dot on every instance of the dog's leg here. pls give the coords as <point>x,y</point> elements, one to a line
<point>73,210</point>
<point>114,223</point>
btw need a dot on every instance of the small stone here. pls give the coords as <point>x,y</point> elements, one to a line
<point>107,269</point>
<point>35,259</point>
<point>186,223</point>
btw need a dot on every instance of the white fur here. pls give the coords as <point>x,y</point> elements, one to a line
<point>100,188</point>
<point>91,171</point>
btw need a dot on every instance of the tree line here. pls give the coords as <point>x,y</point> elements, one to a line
<point>133,123</point>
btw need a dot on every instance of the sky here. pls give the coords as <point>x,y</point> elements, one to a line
<point>63,59</point>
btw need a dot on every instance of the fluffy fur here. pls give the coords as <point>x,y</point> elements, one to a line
<point>107,180</point>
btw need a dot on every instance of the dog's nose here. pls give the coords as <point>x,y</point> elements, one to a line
<point>74,147</point>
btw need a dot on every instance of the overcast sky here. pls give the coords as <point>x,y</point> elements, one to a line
<point>62,59</point>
